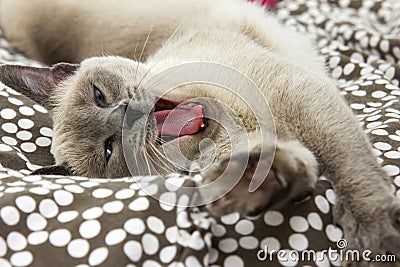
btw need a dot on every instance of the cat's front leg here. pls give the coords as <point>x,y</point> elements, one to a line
<point>291,176</point>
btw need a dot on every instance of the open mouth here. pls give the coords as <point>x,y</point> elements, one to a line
<point>175,120</point>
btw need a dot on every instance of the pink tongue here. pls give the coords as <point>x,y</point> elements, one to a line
<point>179,121</point>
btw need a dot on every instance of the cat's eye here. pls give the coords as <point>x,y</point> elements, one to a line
<point>108,149</point>
<point>99,97</point>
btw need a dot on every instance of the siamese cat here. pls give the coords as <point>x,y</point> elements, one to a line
<point>116,46</point>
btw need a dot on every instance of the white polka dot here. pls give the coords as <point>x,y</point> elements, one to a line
<point>192,262</point>
<point>155,224</point>
<point>359,93</point>
<point>273,218</point>
<point>230,219</point>
<point>40,108</point>
<point>384,45</point>
<point>15,101</point>
<point>315,221</point>
<point>8,114</point>
<point>357,106</point>
<point>115,237</point>
<point>73,188</point>
<point>60,237</point>
<point>183,220</point>
<point>392,155</point>
<point>167,254</point>
<point>270,243</point>
<point>378,94</point>
<point>139,204</point>
<point>27,111</point>
<point>9,127</point>
<point>228,245</point>
<point>167,201</point>
<point>25,203</point>
<point>24,135</point>
<point>23,258</point>
<point>298,242</point>
<point>92,213</point>
<point>394,137</point>
<point>331,196</point>
<point>248,242</point>
<point>150,244</point>
<point>89,184</point>
<point>37,238</point>
<point>67,216</point>
<point>39,191</point>
<point>391,170</point>
<point>333,233</point>
<point>36,222</point>
<point>298,224</point>
<point>46,132</point>
<point>98,256</point>
<point>134,226</point>
<point>148,190</point>
<point>113,207</point>
<point>379,132</point>
<point>195,241</point>
<point>14,190</point>
<point>151,263</point>
<point>133,250</point>
<point>43,141</point>
<point>10,215</point>
<point>63,198</point>
<point>218,230</point>
<point>382,146</point>
<point>16,241</point>
<point>9,140</point>
<point>5,148</point>
<point>124,194</point>
<point>244,227</point>
<point>336,72</point>
<point>233,261</point>
<point>333,62</point>
<point>102,193</point>
<point>89,229</point>
<point>322,204</point>
<point>348,68</point>
<point>3,247</point>
<point>48,208</point>
<point>78,248</point>
<point>28,147</point>
<point>25,124</point>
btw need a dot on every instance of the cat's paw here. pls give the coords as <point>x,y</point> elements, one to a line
<point>292,176</point>
<point>374,234</point>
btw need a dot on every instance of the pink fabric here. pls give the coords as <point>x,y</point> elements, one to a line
<point>268,3</point>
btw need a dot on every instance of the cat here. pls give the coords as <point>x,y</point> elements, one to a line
<point>116,47</point>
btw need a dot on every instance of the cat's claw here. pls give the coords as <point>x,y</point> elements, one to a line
<point>292,175</point>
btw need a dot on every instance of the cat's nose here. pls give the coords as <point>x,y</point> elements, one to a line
<point>132,115</point>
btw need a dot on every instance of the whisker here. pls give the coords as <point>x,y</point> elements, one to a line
<point>158,61</point>
<point>143,48</point>
<point>134,55</point>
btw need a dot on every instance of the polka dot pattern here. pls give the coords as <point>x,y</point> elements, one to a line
<point>114,223</point>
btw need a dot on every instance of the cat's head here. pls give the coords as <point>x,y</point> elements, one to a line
<point>88,102</point>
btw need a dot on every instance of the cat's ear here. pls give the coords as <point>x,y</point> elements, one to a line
<point>36,83</point>
<point>54,170</point>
